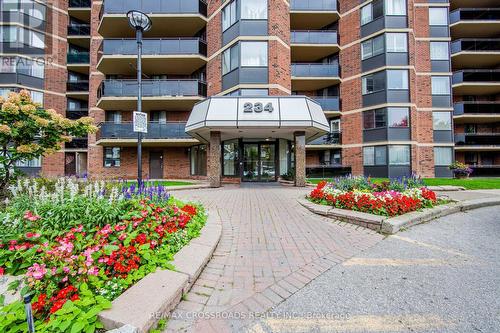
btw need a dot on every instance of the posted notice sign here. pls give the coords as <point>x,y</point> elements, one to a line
<point>140,122</point>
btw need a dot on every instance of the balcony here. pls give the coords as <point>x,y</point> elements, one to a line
<point>182,17</point>
<point>159,135</point>
<point>313,45</point>
<point>78,90</point>
<point>476,112</point>
<point>313,14</point>
<point>21,79</point>
<point>181,56</point>
<point>80,9</point>
<point>477,141</point>
<point>330,140</point>
<point>314,76</point>
<point>330,104</point>
<point>77,144</point>
<point>475,53</point>
<point>179,95</point>
<point>475,22</point>
<point>74,114</point>
<point>476,82</point>
<point>79,34</point>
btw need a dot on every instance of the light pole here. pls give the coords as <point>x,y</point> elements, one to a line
<point>141,23</point>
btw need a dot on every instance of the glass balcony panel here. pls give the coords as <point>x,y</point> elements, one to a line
<point>314,37</point>
<point>313,5</point>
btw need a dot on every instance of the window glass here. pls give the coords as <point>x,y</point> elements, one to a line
<point>440,85</point>
<point>372,47</point>
<point>373,83</point>
<point>366,14</point>
<point>37,69</point>
<point>254,54</point>
<point>111,157</point>
<point>438,16</point>
<point>37,96</point>
<point>441,121</point>
<point>374,119</point>
<point>440,51</point>
<point>398,117</point>
<point>254,9</point>
<point>228,15</point>
<point>9,33</point>
<point>396,42</point>
<point>10,5</point>
<point>198,161</point>
<point>368,120</point>
<point>397,79</point>
<point>443,156</point>
<point>230,59</point>
<point>253,92</point>
<point>230,157</point>
<point>378,45</point>
<point>37,40</point>
<point>399,155</point>
<point>34,163</point>
<point>7,65</point>
<point>395,7</point>
<point>380,155</point>
<point>369,156</point>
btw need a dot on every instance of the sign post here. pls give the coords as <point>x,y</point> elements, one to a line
<point>140,126</point>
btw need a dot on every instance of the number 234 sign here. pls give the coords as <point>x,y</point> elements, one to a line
<point>258,107</point>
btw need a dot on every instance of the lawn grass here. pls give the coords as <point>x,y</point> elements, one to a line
<point>163,182</point>
<point>469,184</point>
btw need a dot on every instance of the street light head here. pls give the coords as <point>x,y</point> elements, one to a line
<point>138,20</point>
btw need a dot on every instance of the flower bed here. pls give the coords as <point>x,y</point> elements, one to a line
<point>397,197</point>
<point>82,245</point>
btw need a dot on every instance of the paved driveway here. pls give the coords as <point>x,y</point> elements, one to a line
<point>271,247</point>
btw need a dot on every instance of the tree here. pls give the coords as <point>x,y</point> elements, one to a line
<point>27,132</point>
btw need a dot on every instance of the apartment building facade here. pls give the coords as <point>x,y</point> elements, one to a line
<point>380,70</point>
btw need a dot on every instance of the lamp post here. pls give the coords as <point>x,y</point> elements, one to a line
<point>141,23</point>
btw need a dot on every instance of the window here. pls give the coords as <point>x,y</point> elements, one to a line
<point>398,117</point>
<point>395,7</point>
<point>375,155</point>
<point>440,85</point>
<point>9,34</point>
<point>336,158</point>
<point>397,79</point>
<point>373,83</point>
<point>34,163</point>
<point>230,157</point>
<point>254,9</point>
<point>230,59</point>
<point>229,16</point>
<point>372,47</point>
<point>36,96</point>
<point>366,14</point>
<point>443,156</point>
<point>114,116</point>
<point>249,92</point>
<point>441,121</point>
<point>396,42</point>
<point>198,160</point>
<point>111,157</point>
<point>8,65</point>
<point>399,155</point>
<point>440,51</point>
<point>374,119</point>
<point>254,54</point>
<point>438,16</point>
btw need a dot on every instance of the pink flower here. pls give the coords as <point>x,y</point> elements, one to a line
<point>93,271</point>
<point>122,237</point>
<point>37,271</point>
<point>120,227</point>
<point>66,269</point>
<point>64,279</point>
<point>2,271</point>
<point>32,235</point>
<point>28,215</point>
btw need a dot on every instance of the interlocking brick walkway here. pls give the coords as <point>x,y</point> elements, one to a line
<point>270,248</point>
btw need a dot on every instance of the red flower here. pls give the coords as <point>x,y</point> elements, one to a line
<point>191,210</point>
<point>2,271</point>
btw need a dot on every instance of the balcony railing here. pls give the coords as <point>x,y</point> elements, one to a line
<point>77,113</point>
<point>77,143</point>
<point>329,103</point>
<point>77,86</point>
<point>21,79</point>
<point>480,107</point>
<point>314,37</point>
<point>79,3</point>
<point>152,88</point>
<point>475,14</point>
<point>167,46</point>
<point>313,5</point>
<point>79,29</point>
<point>156,130</point>
<point>156,6</point>
<point>315,70</point>
<point>477,139</point>
<point>476,75</point>
<point>333,138</point>
<point>475,45</point>
<point>78,58</point>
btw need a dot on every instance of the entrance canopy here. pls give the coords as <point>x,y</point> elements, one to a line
<point>257,117</point>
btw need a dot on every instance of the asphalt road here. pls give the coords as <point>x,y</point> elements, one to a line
<point>443,276</point>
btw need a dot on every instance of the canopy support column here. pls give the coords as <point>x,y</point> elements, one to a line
<point>214,159</point>
<point>300,158</point>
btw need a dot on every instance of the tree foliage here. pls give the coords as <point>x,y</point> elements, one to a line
<point>27,132</point>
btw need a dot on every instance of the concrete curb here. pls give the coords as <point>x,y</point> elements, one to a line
<point>157,294</point>
<point>446,188</point>
<point>187,187</point>
<point>394,224</point>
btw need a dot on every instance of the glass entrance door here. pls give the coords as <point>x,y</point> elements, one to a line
<point>259,162</point>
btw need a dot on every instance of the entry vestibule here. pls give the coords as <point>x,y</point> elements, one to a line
<point>256,138</point>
